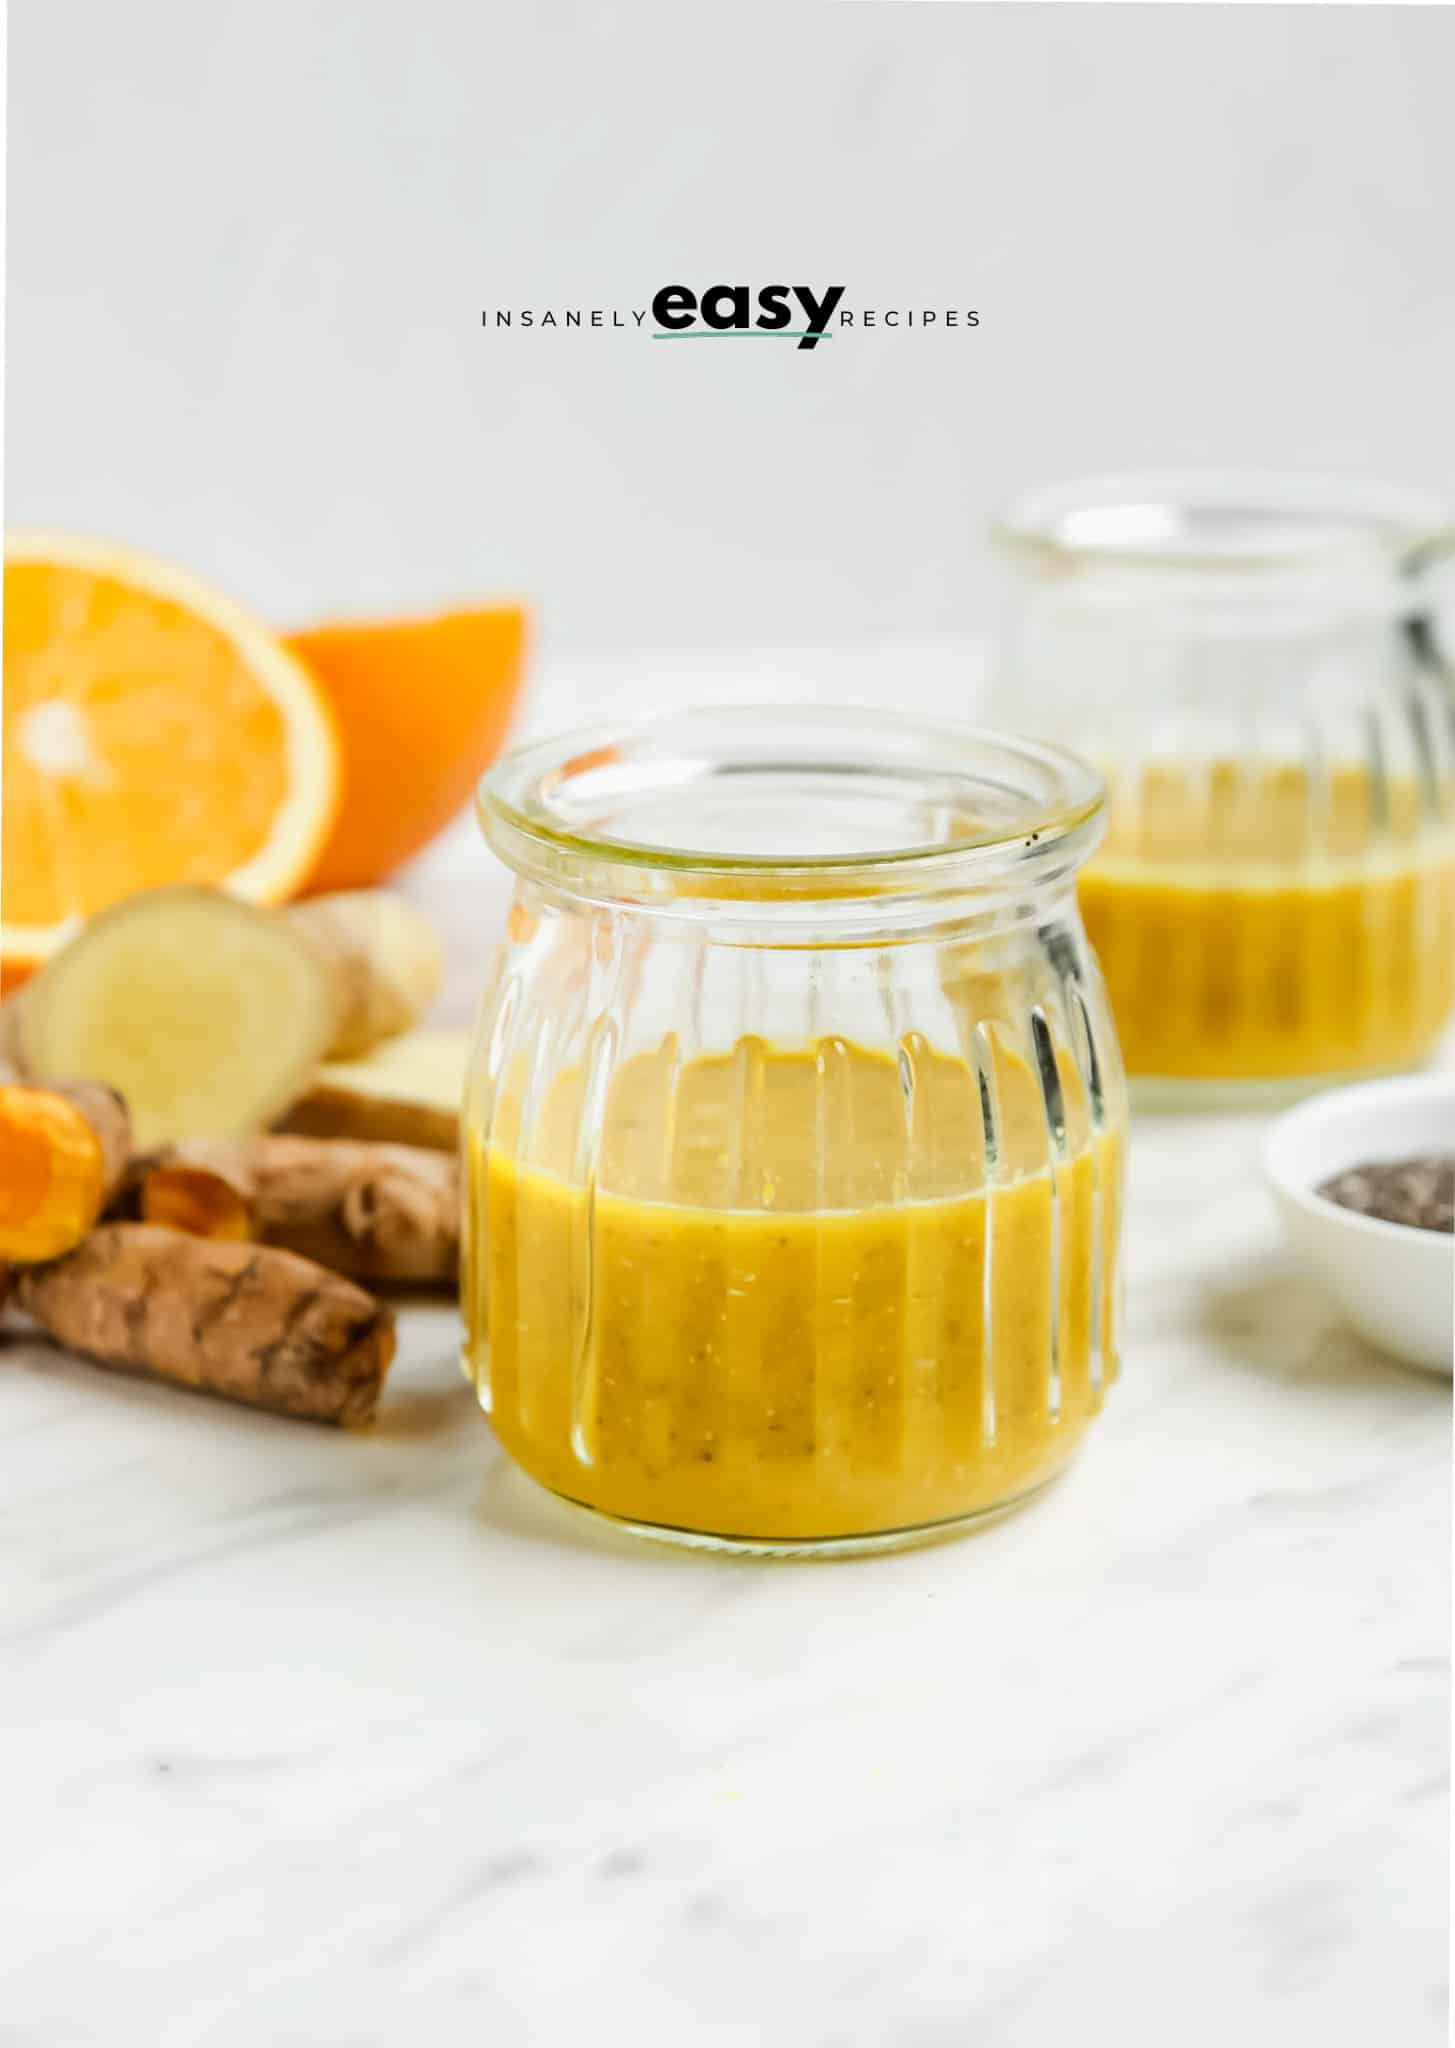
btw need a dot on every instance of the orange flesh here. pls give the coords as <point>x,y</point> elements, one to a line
<point>140,749</point>
<point>809,1320</point>
<point>1257,927</point>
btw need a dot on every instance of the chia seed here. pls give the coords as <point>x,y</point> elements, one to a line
<point>1419,1193</point>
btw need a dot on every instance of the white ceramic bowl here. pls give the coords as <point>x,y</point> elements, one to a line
<point>1395,1284</point>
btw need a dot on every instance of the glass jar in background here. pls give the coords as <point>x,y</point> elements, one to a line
<point>1258,667</point>
<point>794,1135</point>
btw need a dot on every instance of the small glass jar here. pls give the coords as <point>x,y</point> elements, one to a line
<point>1259,668</point>
<point>794,1135</point>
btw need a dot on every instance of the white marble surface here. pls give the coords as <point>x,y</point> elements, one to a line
<point>346,1741</point>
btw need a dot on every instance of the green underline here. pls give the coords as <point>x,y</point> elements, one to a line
<point>740,333</point>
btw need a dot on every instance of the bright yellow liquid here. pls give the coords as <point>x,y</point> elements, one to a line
<point>793,1308</point>
<point>1256,928</point>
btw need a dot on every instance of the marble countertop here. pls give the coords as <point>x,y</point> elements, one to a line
<point>344,1740</point>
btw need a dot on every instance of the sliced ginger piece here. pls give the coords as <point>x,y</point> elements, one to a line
<point>406,1092</point>
<point>207,1014</point>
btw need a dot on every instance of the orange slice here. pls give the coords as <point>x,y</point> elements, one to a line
<point>421,705</point>
<point>154,733</point>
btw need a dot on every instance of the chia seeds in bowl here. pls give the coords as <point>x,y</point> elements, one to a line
<point>1418,1193</point>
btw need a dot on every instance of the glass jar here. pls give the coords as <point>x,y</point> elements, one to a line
<point>1257,666</point>
<point>795,1127</point>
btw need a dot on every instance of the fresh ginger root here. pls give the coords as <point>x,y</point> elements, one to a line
<point>247,1321</point>
<point>405,1092</point>
<point>63,1152</point>
<point>385,959</point>
<point>384,1213</point>
<point>12,1059</point>
<point>209,1015</point>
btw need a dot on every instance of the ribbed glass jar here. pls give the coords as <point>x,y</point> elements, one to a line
<point>1259,667</point>
<point>794,1136</point>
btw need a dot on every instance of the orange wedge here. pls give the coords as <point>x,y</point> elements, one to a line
<point>421,706</point>
<point>154,733</point>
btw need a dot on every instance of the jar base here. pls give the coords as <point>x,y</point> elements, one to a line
<point>917,1537</point>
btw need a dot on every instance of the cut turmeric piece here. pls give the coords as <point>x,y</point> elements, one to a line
<point>204,1190</point>
<point>387,1213</point>
<point>63,1152</point>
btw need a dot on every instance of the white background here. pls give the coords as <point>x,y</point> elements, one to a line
<point>249,244</point>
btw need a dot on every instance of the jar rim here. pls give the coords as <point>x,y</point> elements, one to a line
<point>1253,522</point>
<point>553,798</point>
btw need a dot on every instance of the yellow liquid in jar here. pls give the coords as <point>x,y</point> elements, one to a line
<point>792,1307</point>
<point>1256,926</point>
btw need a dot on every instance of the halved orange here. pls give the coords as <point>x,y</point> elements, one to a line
<point>154,733</point>
<point>422,706</point>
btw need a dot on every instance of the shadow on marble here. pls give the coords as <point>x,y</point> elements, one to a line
<point>415,1414</point>
<point>1270,1318</point>
<point>514,1505</point>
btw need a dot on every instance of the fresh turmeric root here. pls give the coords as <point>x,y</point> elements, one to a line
<point>249,1322</point>
<point>63,1152</point>
<point>384,1213</point>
